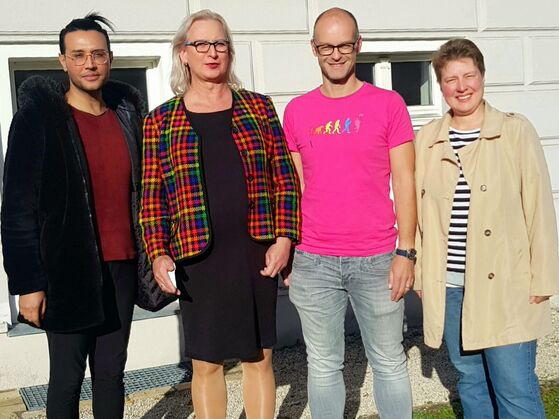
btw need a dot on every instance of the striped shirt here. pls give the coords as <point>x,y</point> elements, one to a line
<point>456,255</point>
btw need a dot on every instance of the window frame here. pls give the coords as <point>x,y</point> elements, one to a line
<point>51,63</point>
<point>383,52</point>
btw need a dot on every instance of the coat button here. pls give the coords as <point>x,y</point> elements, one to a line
<point>487,232</point>
<point>250,178</point>
<point>244,153</point>
<point>491,275</point>
<point>483,188</point>
<point>235,130</point>
<point>251,204</point>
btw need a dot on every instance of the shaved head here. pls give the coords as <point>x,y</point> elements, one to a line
<point>337,14</point>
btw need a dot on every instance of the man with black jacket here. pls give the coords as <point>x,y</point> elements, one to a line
<point>68,218</point>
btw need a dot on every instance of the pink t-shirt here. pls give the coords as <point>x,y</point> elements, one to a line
<point>344,145</point>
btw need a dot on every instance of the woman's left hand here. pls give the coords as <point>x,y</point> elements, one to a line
<point>277,257</point>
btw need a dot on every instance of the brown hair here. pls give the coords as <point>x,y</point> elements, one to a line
<point>456,49</point>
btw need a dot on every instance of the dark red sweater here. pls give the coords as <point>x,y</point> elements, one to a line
<point>110,171</point>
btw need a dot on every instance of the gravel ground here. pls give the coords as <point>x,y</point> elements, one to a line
<point>433,381</point>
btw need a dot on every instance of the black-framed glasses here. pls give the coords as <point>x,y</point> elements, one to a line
<point>220,45</point>
<point>327,49</point>
<point>99,57</point>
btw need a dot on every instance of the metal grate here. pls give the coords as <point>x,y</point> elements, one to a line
<point>35,397</point>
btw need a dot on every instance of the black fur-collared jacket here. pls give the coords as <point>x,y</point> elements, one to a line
<point>48,223</point>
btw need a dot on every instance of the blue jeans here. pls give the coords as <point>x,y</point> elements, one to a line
<point>320,289</point>
<point>494,382</point>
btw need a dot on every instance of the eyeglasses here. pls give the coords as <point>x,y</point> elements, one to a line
<point>204,46</point>
<point>99,57</point>
<point>327,49</point>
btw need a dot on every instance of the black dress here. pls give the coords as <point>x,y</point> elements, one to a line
<point>228,309</point>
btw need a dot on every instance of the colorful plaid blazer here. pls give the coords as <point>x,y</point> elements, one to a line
<point>173,212</point>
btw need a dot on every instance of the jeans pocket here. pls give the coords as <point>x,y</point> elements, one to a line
<point>376,263</point>
<point>305,261</point>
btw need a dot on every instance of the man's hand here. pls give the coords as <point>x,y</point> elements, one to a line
<point>401,277</point>
<point>536,299</point>
<point>161,267</point>
<point>32,307</point>
<point>277,257</point>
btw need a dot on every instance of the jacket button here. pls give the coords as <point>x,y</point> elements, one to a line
<point>251,204</point>
<point>491,275</point>
<point>235,130</point>
<point>250,178</point>
<point>487,232</point>
<point>483,188</point>
<point>244,153</point>
<point>422,192</point>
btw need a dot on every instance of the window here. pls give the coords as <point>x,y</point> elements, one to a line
<point>411,79</point>
<point>131,71</point>
<point>403,66</point>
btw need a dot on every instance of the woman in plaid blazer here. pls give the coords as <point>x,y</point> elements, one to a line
<point>221,199</point>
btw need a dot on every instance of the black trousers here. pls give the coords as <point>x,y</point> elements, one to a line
<point>106,347</point>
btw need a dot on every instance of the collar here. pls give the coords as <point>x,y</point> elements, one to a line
<point>490,129</point>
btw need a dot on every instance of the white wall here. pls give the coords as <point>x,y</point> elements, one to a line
<point>519,39</point>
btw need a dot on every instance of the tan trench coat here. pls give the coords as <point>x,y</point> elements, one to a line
<point>512,250</point>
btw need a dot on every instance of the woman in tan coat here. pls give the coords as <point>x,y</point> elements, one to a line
<point>487,241</point>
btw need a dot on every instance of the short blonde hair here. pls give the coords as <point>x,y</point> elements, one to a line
<point>180,73</point>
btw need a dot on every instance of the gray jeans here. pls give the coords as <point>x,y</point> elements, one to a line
<point>320,289</point>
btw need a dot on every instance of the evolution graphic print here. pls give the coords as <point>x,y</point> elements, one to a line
<point>339,126</point>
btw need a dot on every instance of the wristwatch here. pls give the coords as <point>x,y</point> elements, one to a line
<point>410,253</point>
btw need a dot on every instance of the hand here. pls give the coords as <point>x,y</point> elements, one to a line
<point>536,299</point>
<point>277,257</point>
<point>161,267</point>
<point>32,307</point>
<point>287,279</point>
<point>400,280</point>
<point>286,273</point>
<point>419,293</point>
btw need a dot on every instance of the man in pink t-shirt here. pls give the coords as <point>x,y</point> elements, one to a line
<point>348,138</point>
